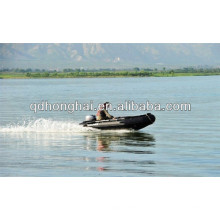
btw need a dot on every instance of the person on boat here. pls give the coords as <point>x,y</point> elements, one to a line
<point>102,113</point>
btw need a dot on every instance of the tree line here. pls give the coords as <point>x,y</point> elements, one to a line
<point>136,71</point>
<point>112,70</point>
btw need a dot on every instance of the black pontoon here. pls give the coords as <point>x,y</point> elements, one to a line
<point>127,122</point>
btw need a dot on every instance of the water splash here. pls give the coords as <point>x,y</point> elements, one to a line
<point>43,125</point>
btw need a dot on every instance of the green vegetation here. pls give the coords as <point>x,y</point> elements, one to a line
<point>81,73</point>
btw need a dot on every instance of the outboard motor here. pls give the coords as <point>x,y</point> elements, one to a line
<point>90,118</point>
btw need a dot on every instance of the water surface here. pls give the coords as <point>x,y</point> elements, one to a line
<point>53,144</point>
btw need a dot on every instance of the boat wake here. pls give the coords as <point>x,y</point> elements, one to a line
<point>43,125</point>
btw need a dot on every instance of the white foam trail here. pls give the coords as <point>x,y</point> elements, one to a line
<point>42,125</point>
<point>46,125</point>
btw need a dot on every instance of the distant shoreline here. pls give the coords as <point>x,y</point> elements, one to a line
<point>35,75</point>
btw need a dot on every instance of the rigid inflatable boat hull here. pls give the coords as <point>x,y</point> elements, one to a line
<point>128,122</point>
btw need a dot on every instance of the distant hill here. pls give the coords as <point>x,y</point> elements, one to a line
<point>58,56</point>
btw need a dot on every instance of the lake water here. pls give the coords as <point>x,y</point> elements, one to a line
<point>179,143</point>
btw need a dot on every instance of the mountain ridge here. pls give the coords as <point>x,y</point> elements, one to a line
<point>89,55</point>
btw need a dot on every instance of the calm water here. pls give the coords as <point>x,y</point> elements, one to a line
<point>53,144</point>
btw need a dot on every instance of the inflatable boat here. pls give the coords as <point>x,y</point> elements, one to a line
<point>127,122</point>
